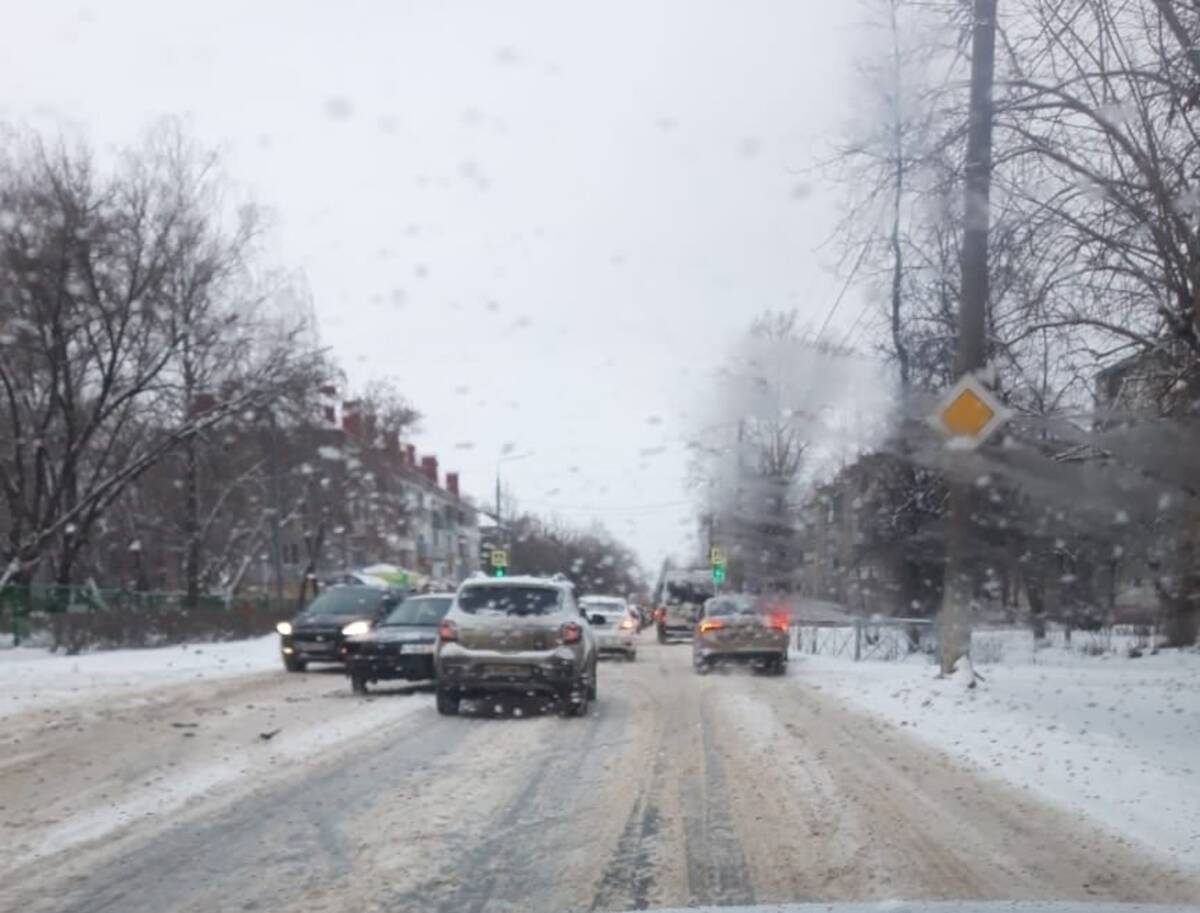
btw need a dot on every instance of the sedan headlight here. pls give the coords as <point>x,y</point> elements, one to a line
<point>284,627</point>
<point>356,627</point>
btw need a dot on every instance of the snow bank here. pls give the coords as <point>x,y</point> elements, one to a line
<point>1115,739</point>
<point>33,679</point>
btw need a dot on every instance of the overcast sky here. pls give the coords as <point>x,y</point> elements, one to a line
<point>546,221</point>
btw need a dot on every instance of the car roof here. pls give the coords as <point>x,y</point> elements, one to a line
<point>440,595</point>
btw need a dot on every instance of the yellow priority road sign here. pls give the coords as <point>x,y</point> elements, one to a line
<point>716,555</point>
<point>968,413</point>
<point>499,557</point>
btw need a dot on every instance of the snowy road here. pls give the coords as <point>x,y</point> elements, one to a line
<point>676,790</point>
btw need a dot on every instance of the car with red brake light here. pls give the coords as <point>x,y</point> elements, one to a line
<point>516,635</point>
<point>745,629</point>
<point>614,623</point>
<point>400,646</point>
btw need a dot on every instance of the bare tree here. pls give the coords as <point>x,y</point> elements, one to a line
<point>98,274</point>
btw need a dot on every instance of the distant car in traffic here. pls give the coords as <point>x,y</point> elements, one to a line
<point>614,623</point>
<point>516,635</point>
<point>741,629</point>
<point>399,646</point>
<point>315,635</point>
<point>679,598</point>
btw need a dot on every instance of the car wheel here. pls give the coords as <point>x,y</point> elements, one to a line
<point>358,684</point>
<point>572,707</point>
<point>701,665</point>
<point>292,664</point>
<point>780,666</point>
<point>447,702</point>
<point>662,636</point>
<point>631,655</point>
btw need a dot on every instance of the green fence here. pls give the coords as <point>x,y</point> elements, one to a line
<point>73,618</point>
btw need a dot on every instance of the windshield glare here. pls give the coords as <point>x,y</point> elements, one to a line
<point>419,610</point>
<point>347,601</point>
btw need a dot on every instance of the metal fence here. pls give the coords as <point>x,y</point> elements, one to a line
<point>890,639</point>
<point>73,617</point>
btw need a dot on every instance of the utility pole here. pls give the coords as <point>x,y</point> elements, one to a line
<point>276,507</point>
<point>498,499</point>
<point>957,590</point>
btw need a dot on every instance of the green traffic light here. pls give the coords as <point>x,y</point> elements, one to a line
<point>718,573</point>
<point>499,572</point>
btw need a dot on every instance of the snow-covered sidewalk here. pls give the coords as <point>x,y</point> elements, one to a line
<point>34,678</point>
<point>1115,739</point>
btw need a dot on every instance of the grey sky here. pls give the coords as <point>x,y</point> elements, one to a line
<point>544,220</point>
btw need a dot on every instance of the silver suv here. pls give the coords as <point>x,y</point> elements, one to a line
<point>518,635</point>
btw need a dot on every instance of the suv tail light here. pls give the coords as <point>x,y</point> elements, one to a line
<point>447,632</point>
<point>660,614</point>
<point>570,633</point>
<point>711,625</point>
<point>778,621</point>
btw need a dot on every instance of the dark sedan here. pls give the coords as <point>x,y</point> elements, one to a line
<point>315,635</point>
<point>400,646</point>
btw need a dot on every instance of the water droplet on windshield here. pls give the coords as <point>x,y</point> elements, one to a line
<point>339,107</point>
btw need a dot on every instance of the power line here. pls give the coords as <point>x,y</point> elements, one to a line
<point>842,294</point>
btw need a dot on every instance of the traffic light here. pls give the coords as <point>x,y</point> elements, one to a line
<point>499,562</point>
<point>499,571</point>
<point>717,559</point>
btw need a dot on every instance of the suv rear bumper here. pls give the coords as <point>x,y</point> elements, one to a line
<point>551,676</point>
<point>741,656</point>
<point>667,630</point>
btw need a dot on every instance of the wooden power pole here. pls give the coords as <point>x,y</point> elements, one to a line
<point>957,590</point>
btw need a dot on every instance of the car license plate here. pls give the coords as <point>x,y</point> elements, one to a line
<point>510,671</point>
<point>312,646</point>
<point>416,648</point>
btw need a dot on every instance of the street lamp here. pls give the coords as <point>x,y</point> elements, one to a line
<point>506,458</point>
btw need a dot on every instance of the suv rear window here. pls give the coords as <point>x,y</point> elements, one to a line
<point>508,600</point>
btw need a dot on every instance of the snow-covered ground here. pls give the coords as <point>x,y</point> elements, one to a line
<point>1116,739</point>
<point>35,678</point>
<point>93,744</point>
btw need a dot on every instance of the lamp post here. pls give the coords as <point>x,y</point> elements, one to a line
<point>506,458</point>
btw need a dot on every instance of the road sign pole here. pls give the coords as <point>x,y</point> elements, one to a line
<point>957,591</point>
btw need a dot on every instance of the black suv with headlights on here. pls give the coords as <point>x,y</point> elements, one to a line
<point>400,646</point>
<point>315,635</point>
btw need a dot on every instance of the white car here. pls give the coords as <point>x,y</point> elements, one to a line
<point>614,624</point>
